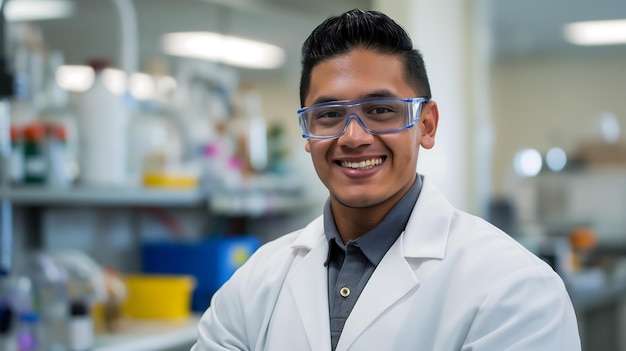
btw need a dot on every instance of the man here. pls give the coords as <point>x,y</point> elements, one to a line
<point>390,265</point>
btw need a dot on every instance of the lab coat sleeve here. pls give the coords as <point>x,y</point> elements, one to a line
<point>222,326</point>
<point>241,308</point>
<point>528,310</point>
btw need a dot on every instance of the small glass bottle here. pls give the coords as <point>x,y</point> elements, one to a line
<point>28,332</point>
<point>60,117</point>
<point>7,342</point>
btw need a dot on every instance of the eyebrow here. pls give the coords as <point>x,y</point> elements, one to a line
<point>382,93</point>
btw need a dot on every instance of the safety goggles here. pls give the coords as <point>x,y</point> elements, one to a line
<point>375,115</point>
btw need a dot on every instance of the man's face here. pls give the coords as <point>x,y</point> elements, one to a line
<point>356,75</point>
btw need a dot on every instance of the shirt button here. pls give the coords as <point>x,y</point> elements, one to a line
<point>344,292</point>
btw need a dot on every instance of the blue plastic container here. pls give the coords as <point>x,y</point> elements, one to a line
<point>211,261</point>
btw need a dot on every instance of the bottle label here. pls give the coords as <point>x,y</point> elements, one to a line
<point>35,166</point>
<point>16,166</point>
<point>81,333</point>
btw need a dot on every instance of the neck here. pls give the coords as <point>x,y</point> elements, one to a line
<point>352,222</point>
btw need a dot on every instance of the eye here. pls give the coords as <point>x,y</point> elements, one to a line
<point>380,110</point>
<point>325,113</point>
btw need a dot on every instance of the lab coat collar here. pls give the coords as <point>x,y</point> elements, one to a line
<point>426,233</point>
<point>310,235</point>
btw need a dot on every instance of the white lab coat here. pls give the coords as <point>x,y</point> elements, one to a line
<point>450,282</point>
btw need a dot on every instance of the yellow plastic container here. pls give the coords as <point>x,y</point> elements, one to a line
<point>170,181</point>
<point>158,296</point>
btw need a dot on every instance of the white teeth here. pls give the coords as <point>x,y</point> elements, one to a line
<point>363,164</point>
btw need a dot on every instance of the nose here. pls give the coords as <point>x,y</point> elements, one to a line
<point>355,134</point>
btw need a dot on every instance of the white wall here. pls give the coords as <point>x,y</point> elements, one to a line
<point>552,101</point>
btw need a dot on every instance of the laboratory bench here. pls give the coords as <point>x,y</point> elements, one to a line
<point>151,335</point>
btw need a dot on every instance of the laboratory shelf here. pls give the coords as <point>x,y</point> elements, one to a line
<point>254,203</point>
<point>150,335</point>
<point>114,196</point>
<point>257,196</point>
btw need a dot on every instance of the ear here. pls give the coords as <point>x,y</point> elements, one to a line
<point>307,146</point>
<point>428,122</point>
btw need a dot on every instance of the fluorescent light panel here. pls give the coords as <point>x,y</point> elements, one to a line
<point>609,32</point>
<point>79,78</point>
<point>74,77</point>
<point>225,49</point>
<point>33,10</point>
<point>142,86</point>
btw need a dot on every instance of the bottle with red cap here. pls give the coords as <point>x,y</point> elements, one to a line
<point>35,166</point>
<point>59,167</point>
<point>61,123</point>
<point>16,160</point>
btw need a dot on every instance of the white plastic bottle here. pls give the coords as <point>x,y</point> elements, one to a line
<point>257,130</point>
<point>102,124</point>
<point>80,327</point>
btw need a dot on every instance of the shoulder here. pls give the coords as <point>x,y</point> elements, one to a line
<point>516,293</point>
<point>437,229</point>
<point>474,236</point>
<point>497,264</point>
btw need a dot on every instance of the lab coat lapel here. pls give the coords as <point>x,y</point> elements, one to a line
<point>308,283</point>
<point>426,236</point>
<point>392,279</point>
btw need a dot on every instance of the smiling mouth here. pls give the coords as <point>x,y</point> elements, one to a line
<point>362,164</point>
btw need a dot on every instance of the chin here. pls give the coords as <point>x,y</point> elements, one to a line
<point>360,201</point>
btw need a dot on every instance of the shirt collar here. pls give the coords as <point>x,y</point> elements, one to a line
<point>375,243</point>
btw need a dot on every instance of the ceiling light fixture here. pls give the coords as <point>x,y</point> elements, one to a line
<point>75,78</point>
<point>79,78</point>
<point>527,162</point>
<point>33,10</point>
<point>224,48</point>
<point>142,86</point>
<point>609,32</point>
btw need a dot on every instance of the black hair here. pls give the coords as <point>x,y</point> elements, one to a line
<point>370,30</point>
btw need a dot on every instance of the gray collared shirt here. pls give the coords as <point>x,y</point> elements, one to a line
<point>351,265</point>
